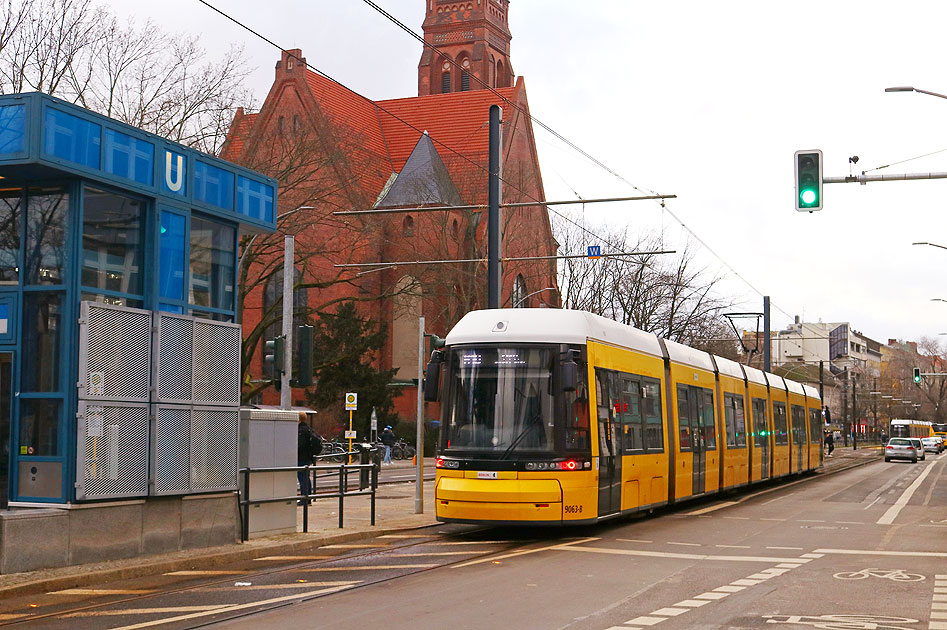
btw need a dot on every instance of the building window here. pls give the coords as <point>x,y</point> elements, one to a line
<point>465,81</point>
<point>445,82</point>
<point>297,125</point>
<point>39,427</point>
<point>407,226</point>
<point>454,228</point>
<point>10,210</point>
<point>112,242</point>
<point>212,265</point>
<point>281,124</point>
<point>172,259</point>
<point>46,212</point>
<point>519,293</point>
<point>129,157</point>
<point>501,76</point>
<point>42,314</point>
<point>213,185</point>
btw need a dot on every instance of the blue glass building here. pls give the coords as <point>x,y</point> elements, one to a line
<point>94,211</point>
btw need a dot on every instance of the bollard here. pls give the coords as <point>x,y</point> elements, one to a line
<point>364,457</point>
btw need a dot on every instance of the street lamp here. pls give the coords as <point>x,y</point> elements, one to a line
<point>913,89</point>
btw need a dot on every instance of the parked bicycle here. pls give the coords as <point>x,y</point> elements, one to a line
<point>402,450</point>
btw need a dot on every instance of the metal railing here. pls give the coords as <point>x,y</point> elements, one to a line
<point>368,484</point>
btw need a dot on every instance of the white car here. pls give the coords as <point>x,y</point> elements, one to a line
<point>933,444</point>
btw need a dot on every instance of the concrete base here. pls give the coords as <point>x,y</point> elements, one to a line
<point>44,538</point>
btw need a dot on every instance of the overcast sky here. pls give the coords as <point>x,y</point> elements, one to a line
<point>704,100</point>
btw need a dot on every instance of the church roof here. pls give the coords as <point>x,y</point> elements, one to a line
<point>423,180</point>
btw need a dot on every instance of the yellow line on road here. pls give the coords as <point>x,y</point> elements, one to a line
<point>266,587</point>
<point>433,553</point>
<point>711,508</point>
<point>352,546</point>
<point>205,573</point>
<point>379,567</point>
<point>102,591</point>
<point>144,611</point>
<point>9,617</point>
<point>227,609</point>
<point>522,553</point>
<point>282,558</point>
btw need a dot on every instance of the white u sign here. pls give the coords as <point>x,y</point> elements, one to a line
<point>173,183</point>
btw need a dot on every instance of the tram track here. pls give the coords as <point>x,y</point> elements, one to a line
<point>284,569</point>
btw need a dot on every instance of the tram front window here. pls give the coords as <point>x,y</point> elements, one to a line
<point>500,402</point>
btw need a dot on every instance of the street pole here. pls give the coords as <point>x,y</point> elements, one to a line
<point>822,381</point>
<point>419,448</point>
<point>289,277</point>
<point>766,348</point>
<point>854,415</point>
<point>494,271</point>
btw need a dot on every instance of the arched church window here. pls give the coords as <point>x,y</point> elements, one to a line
<point>518,298</point>
<point>465,75</point>
<point>445,83</point>
<point>407,226</point>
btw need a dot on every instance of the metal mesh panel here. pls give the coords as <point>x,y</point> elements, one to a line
<point>112,451</point>
<point>114,353</point>
<point>214,449</point>
<point>175,343</point>
<point>216,362</point>
<point>171,448</point>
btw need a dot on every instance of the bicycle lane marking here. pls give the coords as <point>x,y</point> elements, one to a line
<point>888,517</point>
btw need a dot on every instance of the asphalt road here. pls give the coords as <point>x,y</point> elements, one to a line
<point>865,548</point>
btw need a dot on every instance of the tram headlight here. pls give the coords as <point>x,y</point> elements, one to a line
<point>446,463</point>
<point>569,464</point>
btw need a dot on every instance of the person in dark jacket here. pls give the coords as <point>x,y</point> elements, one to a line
<point>388,439</point>
<point>303,454</point>
<point>830,442</point>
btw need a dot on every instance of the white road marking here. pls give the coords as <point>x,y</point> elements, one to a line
<point>761,576</point>
<point>692,603</point>
<point>773,519</point>
<point>937,625</point>
<point>812,555</point>
<point>667,554</point>
<point>268,587</point>
<point>191,573</point>
<point>206,613</point>
<point>778,498</point>
<point>878,498</point>
<point>738,518</point>
<point>733,546</point>
<point>938,615</point>
<point>102,591</point>
<point>366,546</point>
<point>633,540</point>
<point>872,552</point>
<point>283,558</point>
<point>524,552</point>
<point>685,544</point>
<point>940,598</point>
<point>745,582</point>
<point>849,522</point>
<point>474,542</point>
<point>808,521</point>
<point>788,565</point>
<point>405,536</point>
<point>938,606</point>
<point>144,611</point>
<point>711,508</point>
<point>670,612</point>
<point>376,567</point>
<point>730,589</point>
<point>421,554</point>
<point>711,595</point>
<point>894,510</point>
<point>646,621</point>
<point>787,548</point>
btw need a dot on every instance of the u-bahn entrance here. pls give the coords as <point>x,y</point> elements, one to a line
<point>6,402</point>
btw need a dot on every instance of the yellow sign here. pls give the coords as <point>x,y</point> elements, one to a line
<point>351,401</point>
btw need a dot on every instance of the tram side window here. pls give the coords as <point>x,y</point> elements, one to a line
<point>780,430</point>
<point>577,425</point>
<point>736,423</point>
<point>798,424</point>
<point>815,426</point>
<point>628,412</point>
<point>759,420</point>
<point>605,402</point>
<point>651,412</point>
<point>684,416</point>
<point>707,425</point>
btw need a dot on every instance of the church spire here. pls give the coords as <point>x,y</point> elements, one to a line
<point>475,34</point>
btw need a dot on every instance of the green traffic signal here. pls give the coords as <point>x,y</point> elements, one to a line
<point>808,171</point>
<point>917,375</point>
<point>808,197</point>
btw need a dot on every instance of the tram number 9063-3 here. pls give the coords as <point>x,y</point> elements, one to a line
<point>572,509</point>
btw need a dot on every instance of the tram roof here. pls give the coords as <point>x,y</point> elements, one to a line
<point>754,375</point>
<point>729,367</point>
<point>811,391</point>
<point>548,325</point>
<point>776,381</point>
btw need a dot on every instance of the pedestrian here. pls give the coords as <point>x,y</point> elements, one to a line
<point>304,456</point>
<point>388,439</point>
<point>830,442</point>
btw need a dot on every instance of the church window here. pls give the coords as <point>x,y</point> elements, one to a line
<point>465,82</point>
<point>445,83</point>
<point>280,124</point>
<point>296,124</point>
<point>519,293</point>
<point>454,228</point>
<point>407,226</point>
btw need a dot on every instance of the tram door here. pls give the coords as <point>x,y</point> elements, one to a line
<point>761,436</point>
<point>609,443</point>
<point>695,410</point>
<point>799,433</point>
<point>6,401</point>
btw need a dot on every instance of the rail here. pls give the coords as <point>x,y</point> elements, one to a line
<point>342,470</point>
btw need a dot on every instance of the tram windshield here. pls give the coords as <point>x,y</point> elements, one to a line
<point>500,401</point>
<point>939,429</point>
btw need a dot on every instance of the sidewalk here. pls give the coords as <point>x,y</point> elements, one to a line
<point>394,512</point>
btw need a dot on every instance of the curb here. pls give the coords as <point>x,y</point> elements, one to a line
<point>224,556</point>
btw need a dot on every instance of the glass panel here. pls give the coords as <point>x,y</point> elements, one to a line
<point>798,424</point>
<point>651,410</point>
<point>759,419</point>
<point>112,242</point>
<point>254,199</point>
<point>6,400</point>
<point>499,402</point>
<point>129,157</point>
<point>684,416</point>
<point>739,420</point>
<point>171,308</point>
<point>172,265</point>
<point>780,428</point>
<point>72,138</point>
<point>46,213</point>
<point>212,264</point>
<point>629,416</point>
<point>213,185</point>
<point>39,426</point>
<point>114,300</point>
<point>708,428</point>
<point>578,421</point>
<point>41,328</point>
<point>10,210</point>
<point>815,426</point>
<point>12,129</point>
<point>218,317</point>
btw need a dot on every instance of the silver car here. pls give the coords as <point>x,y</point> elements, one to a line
<point>932,445</point>
<point>920,448</point>
<point>901,448</point>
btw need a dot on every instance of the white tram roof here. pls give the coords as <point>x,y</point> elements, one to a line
<point>548,325</point>
<point>811,391</point>
<point>776,381</point>
<point>755,375</point>
<point>729,367</point>
<point>794,387</point>
<point>679,353</point>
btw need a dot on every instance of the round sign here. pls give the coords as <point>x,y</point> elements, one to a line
<point>350,398</point>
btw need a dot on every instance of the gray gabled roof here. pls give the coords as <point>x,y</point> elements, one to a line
<point>423,181</point>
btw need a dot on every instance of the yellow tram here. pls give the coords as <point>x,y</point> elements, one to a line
<point>559,417</point>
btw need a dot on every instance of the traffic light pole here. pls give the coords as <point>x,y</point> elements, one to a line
<point>289,277</point>
<point>898,177</point>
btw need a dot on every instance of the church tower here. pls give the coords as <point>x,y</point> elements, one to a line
<point>475,34</point>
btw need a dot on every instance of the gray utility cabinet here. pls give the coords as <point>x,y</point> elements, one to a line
<point>268,440</point>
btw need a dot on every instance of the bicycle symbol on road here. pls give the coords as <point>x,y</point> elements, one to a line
<point>844,622</point>
<point>895,575</point>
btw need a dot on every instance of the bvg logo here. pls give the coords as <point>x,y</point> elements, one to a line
<point>174,172</point>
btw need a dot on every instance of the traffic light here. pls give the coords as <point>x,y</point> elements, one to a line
<point>304,375</point>
<point>273,358</point>
<point>917,375</point>
<point>808,180</point>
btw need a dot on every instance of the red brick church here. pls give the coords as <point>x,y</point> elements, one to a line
<point>333,150</point>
